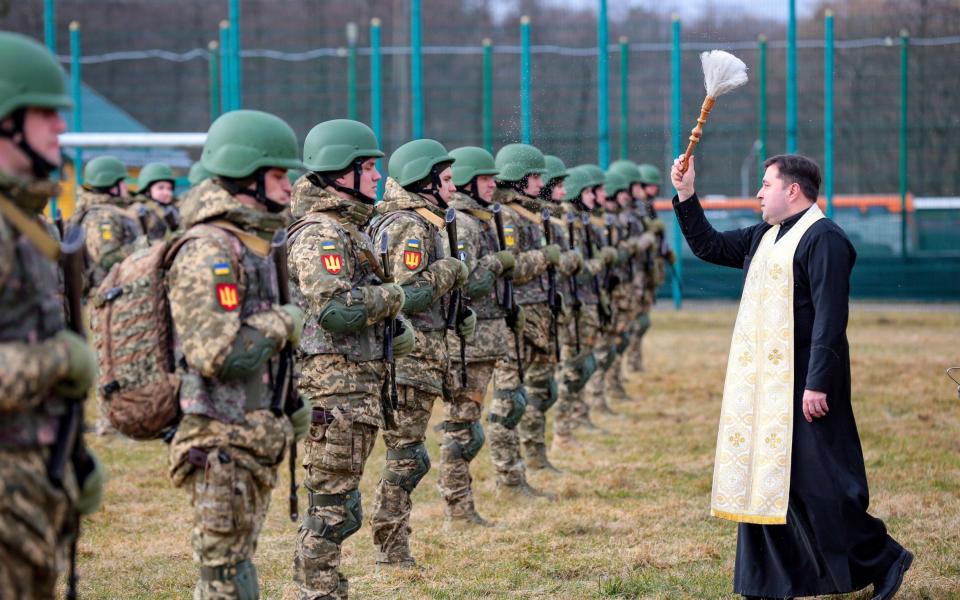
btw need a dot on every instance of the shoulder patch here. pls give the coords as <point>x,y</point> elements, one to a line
<point>412,255</point>
<point>221,268</point>
<point>509,236</point>
<point>227,296</point>
<point>333,263</point>
<point>106,232</point>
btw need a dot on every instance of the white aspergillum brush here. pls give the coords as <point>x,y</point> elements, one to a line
<point>722,72</point>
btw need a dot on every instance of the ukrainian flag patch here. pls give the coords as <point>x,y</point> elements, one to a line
<point>221,268</point>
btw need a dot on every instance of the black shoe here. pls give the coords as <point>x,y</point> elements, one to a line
<point>887,588</point>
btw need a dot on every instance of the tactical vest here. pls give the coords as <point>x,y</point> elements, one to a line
<point>489,306</point>
<point>31,311</point>
<point>357,346</point>
<point>531,238</point>
<point>434,318</point>
<point>585,278</point>
<point>230,401</point>
<point>131,230</point>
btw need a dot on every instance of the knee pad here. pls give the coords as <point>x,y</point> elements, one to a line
<point>553,394</point>
<point>518,398</point>
<point>467,451</point>
<point>624,340</point>
<point>408,481</point>
<point>609,358</point>
<point>353,516</point>
<point>585,366</point>
<point>243,575</point>
<point>645,323</point>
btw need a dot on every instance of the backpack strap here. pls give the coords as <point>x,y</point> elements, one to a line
<point>22,222</point>
<point>194,233</point>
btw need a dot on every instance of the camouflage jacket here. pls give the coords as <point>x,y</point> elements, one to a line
<point>31,313</point>
<point>415,249</point>
<point>332,259</point>
<point>592,268</point>
<point>223,293</point>
<point>112,232</point>
<point>150,215</point>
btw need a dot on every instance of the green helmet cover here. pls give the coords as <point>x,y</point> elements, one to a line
<point>198,174</point>
<point>555,168</point>
<point>152,173</point>
<point>470,162</point>
<point>615,182</point>
<point>241,142</point>
<point>650,174</point>
<point>30,76</point>
<point>516,161</point>
<point>596,174</point>
<point>332,146</point>
<point>626,168</point>
<point>412,161</point>
<point>104,172</point>
<point>578,179</point>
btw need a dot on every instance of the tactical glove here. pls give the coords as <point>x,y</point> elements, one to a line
<point>519,319</point>
<point>298,318</point>
<point>300,419</point>
<point>82,368</point>
<point>507,261</point>
<point>552,252</point>
<point>403,340</point>
<point>91,488</point>
<point>468,326</point>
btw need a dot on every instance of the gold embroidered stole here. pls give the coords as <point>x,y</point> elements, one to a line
<point>751,476</point>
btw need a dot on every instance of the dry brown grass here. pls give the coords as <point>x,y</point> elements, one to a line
<point>632,520</point>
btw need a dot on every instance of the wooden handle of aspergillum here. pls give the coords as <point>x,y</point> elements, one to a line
<point>697,131</point>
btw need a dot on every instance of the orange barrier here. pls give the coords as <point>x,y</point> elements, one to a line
<point>863,202</point>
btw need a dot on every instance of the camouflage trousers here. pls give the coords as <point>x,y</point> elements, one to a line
<point>541,396</point>
<point>572,410</point>
<point>335,454</point>
<point>406,463</point>
<point>35,528</point>
<point>505,441</point>
<point>633,357</point>
<point>462,437</point>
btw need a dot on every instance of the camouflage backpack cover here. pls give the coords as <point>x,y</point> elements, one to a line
<point>134,340</point>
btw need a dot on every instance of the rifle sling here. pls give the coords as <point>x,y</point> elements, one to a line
<point>29,227</point>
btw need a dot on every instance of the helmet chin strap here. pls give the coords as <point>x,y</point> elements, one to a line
<point>433,187</point>
<point>39,166</point>
<point>472,190</point>
<point>325,180</point>
<point>239,187</point>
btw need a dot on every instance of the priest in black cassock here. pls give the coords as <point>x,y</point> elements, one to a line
<point>789,464</point>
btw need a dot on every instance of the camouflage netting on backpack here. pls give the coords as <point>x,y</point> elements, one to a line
<point>133,336</point>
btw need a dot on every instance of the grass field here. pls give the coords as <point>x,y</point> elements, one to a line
<point>632,519</point>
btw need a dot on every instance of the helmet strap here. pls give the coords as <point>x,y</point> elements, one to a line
<point>546,192</point>
<point>431,185</point>
<point>241,187</point>
<point>40,166</point>
<point>328,179</point>
<point>472,190</point>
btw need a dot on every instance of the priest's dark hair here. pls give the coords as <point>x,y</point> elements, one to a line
<point>796,168</point>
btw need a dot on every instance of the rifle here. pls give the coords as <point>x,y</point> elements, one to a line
<point>69,441</point>
<point>456,312</point>
<point>574,286</point>
<point>388,395</point>
<point>57,215</point>
<point>508,300</point>
<point>553,296</point>
<point>144,222</point>
<point>608,279</point>
<point>602,316</point>
<point>286,400</point>
<point>171,217</point>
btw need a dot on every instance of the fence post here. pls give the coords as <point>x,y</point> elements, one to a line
<point>762,132</point>
<point>375,92</point>
<point>488,95</point>
<point>675,131</point>
<point>603,88</point>
<point>792,79</point>
<point>237,77</point>
<point>50,25</point>
<point>828,111</point>
<point>214,76</point>
<point>904,175</point>
<point>352,70</point>
<point>415,70</point>
<point>76,91</point>
<point>525,79</point>
<point>624,99</point>
<point>226,69</point>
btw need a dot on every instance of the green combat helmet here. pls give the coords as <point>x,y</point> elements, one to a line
<point>578,179</point>
<point>333,147</point>
<point>417,165</point>
<point>103,173</point>
<point>198,174</point>
<point>471,161</point>
<point>516,161</point>
<point>30,77</point>
<point>650,175</point>
<point>626,168</point>
<point>555,169</point>
<point>615,182</point>
<point>151,174</point>
<point>243,144</point>
<point>597,175</point>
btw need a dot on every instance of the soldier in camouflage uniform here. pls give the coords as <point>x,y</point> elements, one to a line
<point>519,182</point>
<point>419,186</point>
<point>463,434</point>
<point>577,367</point>
<point>336,278</point>
<point>198,174</point>
<point>44,364</point>
<point>157,212</point>
<point>229,329</point>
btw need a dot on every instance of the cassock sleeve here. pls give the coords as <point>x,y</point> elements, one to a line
<point>829,263</point>
<point>727,248</point>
